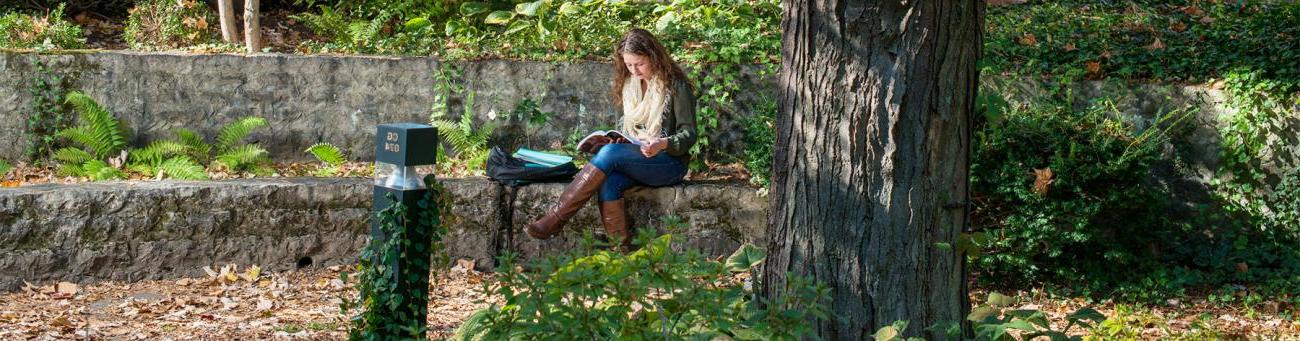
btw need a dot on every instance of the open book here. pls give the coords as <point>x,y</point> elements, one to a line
<point>600,138</point>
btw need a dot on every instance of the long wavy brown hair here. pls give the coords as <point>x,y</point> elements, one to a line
<point>641,42</point>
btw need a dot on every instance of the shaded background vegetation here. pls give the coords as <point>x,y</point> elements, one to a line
<point>1098,225</point>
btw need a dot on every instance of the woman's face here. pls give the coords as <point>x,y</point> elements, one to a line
<point>637,64</point>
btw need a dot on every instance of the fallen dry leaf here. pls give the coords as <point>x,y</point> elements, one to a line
<point>188,313</point>
<point>1069,47</point>
<point>66,288</point>
<point>251,274</point>
<point>1028,40</point>
<point>264,304</point>
<point>1177,26</point>
<point>467,264</point>
<point>228,273</point>
<point>1155,45</point>
<point>61,322</point>
<point>1093,67</point>
<point>1042,179</point>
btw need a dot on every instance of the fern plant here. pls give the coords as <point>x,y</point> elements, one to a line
<point>469,144</point>
<point>331,156</point>
<point>184,156</point>
<point>166,158</point>
<point>98,137</point>
<point>235,155</point>
<point>4,169</point>
<point>101,152</point>
<point>195,147</point>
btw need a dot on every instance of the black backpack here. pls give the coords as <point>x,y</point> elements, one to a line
<point>509,170</point>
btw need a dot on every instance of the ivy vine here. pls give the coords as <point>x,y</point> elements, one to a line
<point>1262,109</point>
<point>49,113</point>
<point>392,304</point>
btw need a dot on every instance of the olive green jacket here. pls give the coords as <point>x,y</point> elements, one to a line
<point>679,123</point>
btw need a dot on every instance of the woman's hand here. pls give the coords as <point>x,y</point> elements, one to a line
<point>653,147</point>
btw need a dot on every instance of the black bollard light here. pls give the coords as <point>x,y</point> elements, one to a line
<point>405,154</point>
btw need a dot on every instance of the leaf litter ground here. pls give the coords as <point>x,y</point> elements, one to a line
<point>234,303</point>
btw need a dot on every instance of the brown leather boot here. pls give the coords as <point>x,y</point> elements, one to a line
<point>584,185</point>
<point>614,217</point>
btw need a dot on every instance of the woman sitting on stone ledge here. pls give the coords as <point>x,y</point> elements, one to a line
<point>659,110</point>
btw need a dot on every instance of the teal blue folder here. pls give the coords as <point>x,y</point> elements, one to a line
<point>541,158</point>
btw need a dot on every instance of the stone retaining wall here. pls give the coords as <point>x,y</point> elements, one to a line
<point>339,99</point>
<point>129,231</point>
<point>335,99</point>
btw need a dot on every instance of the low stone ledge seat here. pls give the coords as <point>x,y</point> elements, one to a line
<point>137,230</point>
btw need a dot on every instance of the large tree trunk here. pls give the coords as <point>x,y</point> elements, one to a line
<point>229,31</point>
<point>871,159</point>
<point>252,32</point>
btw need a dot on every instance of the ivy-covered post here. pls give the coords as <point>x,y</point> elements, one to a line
<point>404,227</point>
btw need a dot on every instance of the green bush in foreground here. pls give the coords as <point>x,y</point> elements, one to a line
<point>652,293</point>
<point>51,31</point>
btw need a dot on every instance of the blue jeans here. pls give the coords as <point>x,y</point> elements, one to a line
<point>624,166</point>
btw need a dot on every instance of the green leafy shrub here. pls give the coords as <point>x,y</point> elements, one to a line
<point>5,168</point>
<point>994,321</point>
<point>1285,203</point>
<point>543,29</point>
<point>1259,229</point>
<point>652,293</point>
<point>1264,108</point>
<point>1064,196</point>
<point>111,8</point>
<point>1172,40</point>
<point>1131,322</point>
<point>52,31</point>
<point>760,138</point>
<point>374,27</point>
<point>164,24</point>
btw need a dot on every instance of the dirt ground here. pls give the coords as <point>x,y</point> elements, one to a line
<point>242,303</point>
<point>231,303</point>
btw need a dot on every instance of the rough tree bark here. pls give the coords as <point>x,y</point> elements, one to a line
<point>229,31</point>
<point>252,34</point>
<point>871,159</point>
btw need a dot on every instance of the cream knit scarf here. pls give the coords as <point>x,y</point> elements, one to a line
<point>643,115</point>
